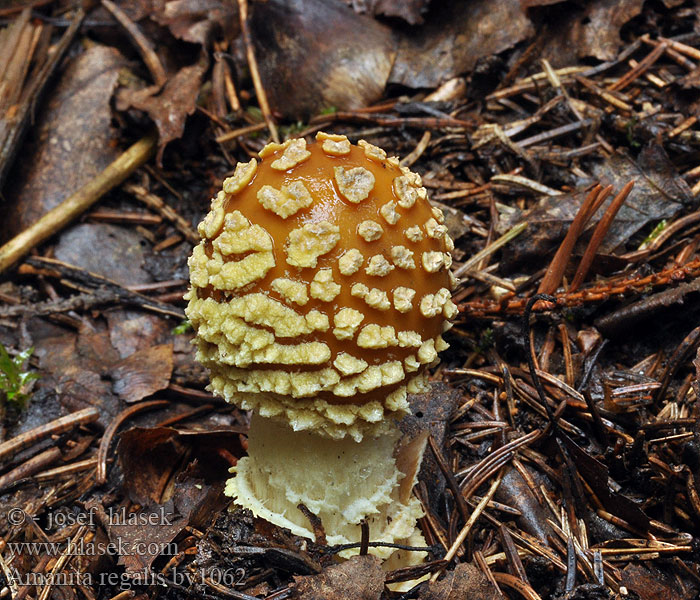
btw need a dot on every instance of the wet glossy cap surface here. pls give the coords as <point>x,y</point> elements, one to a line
<point>323,273</point>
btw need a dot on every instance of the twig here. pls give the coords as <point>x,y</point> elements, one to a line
<point>230,87</point>
<point>8,10</point>
<point>512,553</point>
<point>9,578</point>
<point>167,211</point>
<point>183,416</point>
<point>130,218</point>
<point>556,132</point>
<point>230,135</point>
<point>648,305</point>
<point>125,595</point>
<point>384,120</point>
<point>254,73</point>
<point>550,282</point>
<point>486,467</point>
<point>62,562</point>
<point>96,290</point>
<point>88,300</point>
<point>686,124</point>
<point>459,540</point>
<point>80,465</point>
<point>341,547</point>
<point>28,468</point>
<point>523,588</point>
<point>364,539</point>
<point>490,249</point>
<point>598,234</point>
<point>484,567</point>
<point>143,45</point>
<point>76,204</point>
<point>566,348</point>
<point>668,232</point>
<point>686,349</point>
<point>101,474</point>
<point>524,182</point>
<point>635,284</point>
<point>570,564</point>
<point>529,84</point>
<point>640,68</point>
<point>17,47</point>
<point>416,153</point>
<point>680,47</point>
<point>459,500</point>
<point>606,95</point>
<point>31,437</point>
<point>32,94</point>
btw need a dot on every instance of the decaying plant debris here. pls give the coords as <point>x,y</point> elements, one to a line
<point>561,138</point>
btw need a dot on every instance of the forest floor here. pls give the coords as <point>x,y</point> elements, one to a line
<point>561,139</point>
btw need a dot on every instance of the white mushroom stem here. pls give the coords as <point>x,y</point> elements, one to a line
<point>340,481</point>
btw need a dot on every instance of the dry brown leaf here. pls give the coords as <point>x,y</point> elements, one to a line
<point>360,578</point>
<point>146,534</point>
<point>514,491</point>
<point>588,29</point>
<point>151,460</point>
<point>466,581</point>
<point>456,220</point>
<point>143,373</point>
<point>194,21</point>
<point>345,70</point>
<point>431,412</point>
<point>197,21</point>
<point>455,37</point>
<point>150,456</point>
<point>596,474</point>
<point>140,536</point>
<point>168,107</point>
<point>659,193</point>
<point>411,11</point>
<point>111,251</point>
<point>651,583</point>
<point>73,139</point>
<point>131,330</point>
<point>72,366</point>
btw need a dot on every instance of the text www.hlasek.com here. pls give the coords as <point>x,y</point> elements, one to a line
<point>119,547</point>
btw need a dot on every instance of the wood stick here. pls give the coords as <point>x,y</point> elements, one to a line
<point>254,73</point>
<point>31,94</point>
<point>76,204</point>
<point>31,437</point>
<point>143,45</point>
<point>101,470</point>
<point>416,153</point>
<point>469,524</point>
<point>160,206</point>
<point>552,278</point>
<point>30,467</point>
<point>598,235</point>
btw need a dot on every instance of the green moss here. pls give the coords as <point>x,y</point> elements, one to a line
<point>14,380</point>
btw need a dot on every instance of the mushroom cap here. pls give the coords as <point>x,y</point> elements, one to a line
<point>321,285</point>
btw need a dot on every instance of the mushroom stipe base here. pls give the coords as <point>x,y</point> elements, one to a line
<point>340,481</point>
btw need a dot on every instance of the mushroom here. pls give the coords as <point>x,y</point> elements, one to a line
<point>319,293</point>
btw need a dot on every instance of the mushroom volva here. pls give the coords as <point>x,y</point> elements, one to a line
<point>319,293</point>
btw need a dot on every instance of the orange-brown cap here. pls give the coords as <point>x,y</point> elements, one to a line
<point>321,285</point>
